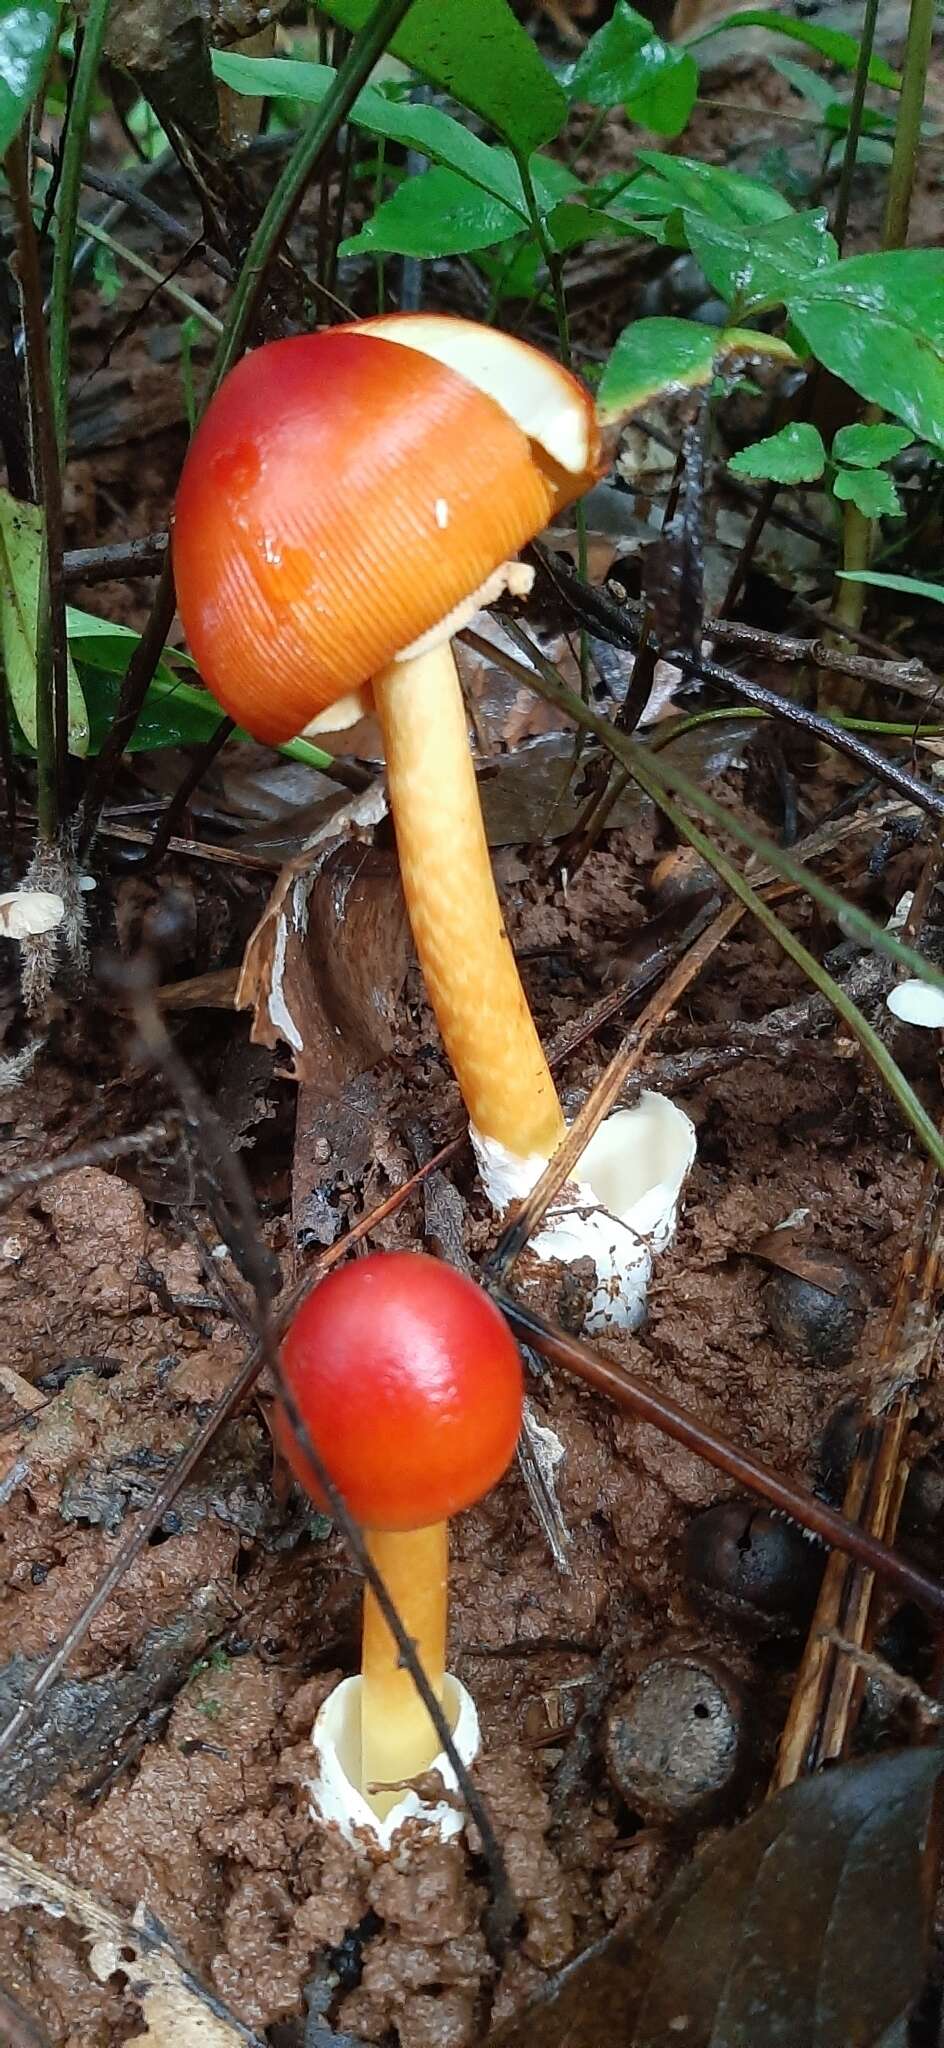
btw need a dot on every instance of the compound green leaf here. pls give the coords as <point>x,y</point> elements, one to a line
<point>795,455</point>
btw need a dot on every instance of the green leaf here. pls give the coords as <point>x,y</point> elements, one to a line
<point>626,63</point>
<point>27,33</point>
<point>434,134</point>
<point>878,323</point>
<point>872,490</point>
<point>910,586</point>
<point>794,456</point>
<point>513,270</point>
<point>759,266</point>
<point>840,49</point>
<point>865,447</point>
<point>174,714</point>
<point>21,541</point>
<point>666,90</point>
<point>723,196</point>
<point>101,644</point>
<point>481,55</point>
<point>439,214</point>
<point>836,112</point>
<point>653,356</point>
<point>570,223</point>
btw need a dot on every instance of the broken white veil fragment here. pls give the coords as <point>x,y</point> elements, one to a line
<point>619,1209</point>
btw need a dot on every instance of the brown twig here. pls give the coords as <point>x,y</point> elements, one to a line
<point>619,624</point>
<point>203,759</point>
<point>648,1404</point>
<point>103,1153</point>
<point>117,560</point>
<point>134,200</point>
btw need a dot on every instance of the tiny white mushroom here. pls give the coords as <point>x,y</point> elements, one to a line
<point>916,1002</point>
<point>25,913</point>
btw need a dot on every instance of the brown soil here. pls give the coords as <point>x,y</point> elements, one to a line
<point>169,1766</point>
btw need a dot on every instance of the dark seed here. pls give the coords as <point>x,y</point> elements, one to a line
<point>676,1743</point>
<point>751,1567</point>
<point>820,1325</point>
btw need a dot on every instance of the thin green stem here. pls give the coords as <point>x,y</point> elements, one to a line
<point>555,271</point>
<point>872,1045</point>
<point>894,729</point>
<point>168,285</point>
<point>67,212</point>
<point>849,598</point>
<point>857,531</point>
<point>662,782</point>
<point>51,644</point>
<point>854,130</point>
<point>914,75</point>
<point>314,140</point>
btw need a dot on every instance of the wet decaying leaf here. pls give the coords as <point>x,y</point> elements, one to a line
<point>326,962</point>
<point>178,2011</point>
<point>84,1720</point>
<point>806,1927</point>
<point>782,1250</point>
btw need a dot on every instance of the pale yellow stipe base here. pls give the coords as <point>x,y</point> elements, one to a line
<point>464,951</point>
<point>397,1736</point>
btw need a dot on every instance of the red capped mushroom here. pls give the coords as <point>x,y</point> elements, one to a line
<point>345,499</point>
<point>409,1383</point>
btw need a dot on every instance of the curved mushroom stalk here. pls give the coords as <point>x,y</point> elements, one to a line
<point>464,950</point>
<point>619,1209</point>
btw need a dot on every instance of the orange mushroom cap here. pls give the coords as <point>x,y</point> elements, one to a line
<point>409,1383</point>
<point>345,491</point>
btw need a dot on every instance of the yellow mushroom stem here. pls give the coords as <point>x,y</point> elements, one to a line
<point>398,1739</point>
<point>464,950</point>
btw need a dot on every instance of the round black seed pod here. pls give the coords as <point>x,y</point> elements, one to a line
<point>677,1747</point>
<point>820,1324</point>
<point>752,1567</point>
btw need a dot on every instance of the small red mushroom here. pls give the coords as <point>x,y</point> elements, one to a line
<point>409,1383</point>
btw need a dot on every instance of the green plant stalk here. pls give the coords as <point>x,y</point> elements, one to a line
<point>849,598</point>
<point>67,212</point>
<point>896,729</point>
<point>301,165</point>
<point>657,782</point>
<point>51,642</point>
<point>856,110</point>
<point>857,531</point>
<point>555,272</point>
<point>914,76</point>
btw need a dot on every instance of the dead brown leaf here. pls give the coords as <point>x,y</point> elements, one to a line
<point>325,965</point>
